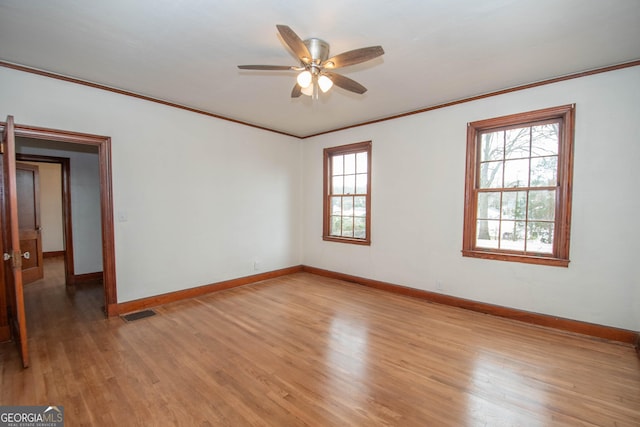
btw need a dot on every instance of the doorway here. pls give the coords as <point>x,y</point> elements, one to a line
<point>54,205</point>
<point>102,146</point>
<point>68,201</point>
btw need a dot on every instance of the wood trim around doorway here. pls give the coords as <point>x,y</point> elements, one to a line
<point>103,143</point>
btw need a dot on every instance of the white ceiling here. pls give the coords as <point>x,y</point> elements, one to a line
<point>436,51</point>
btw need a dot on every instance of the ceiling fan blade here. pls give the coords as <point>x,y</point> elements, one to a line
<point>346,83</point>
<point>353,57</point>
<point>266,67</point>
<point>295,43</point>
<point>297,91</point>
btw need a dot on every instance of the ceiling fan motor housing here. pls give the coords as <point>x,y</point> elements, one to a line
<point>319,50</point>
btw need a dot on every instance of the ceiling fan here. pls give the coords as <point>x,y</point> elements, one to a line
<point>315,65</point>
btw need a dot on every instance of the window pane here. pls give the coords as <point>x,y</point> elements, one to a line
<point>517,143</point>
<point>544,139</point>
<point>349,184</point>
<point>487,233</point>
<point>347,206</point>
<point>336,206</point>
<point>544,171</point>
<point>361,163</point>
<point>337,185</point>
<point>512,234</point>
<point>542,205</point>
<point>489,205</point>
<point>337,168</point>
<point>347,226</point>
<point>336,225</point>
<point>514,205</point>
<point>491,146</point>
<point>360,206</point>
<point>540,237</point>
<point>361,184</point>
<point>360,228</point>
<point>349,164</point>
<point>491,175</point>
<point>516,173</point>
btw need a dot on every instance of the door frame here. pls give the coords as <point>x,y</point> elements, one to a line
<point>67,221</point>
<point>103,143</point>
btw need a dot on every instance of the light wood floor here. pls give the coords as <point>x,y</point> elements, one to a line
<point>306,350</point>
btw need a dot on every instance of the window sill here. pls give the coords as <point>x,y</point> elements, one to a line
<point>361,242</point>
<point>527,259</point>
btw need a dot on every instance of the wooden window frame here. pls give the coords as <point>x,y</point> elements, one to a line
<point>562,225</point>
<point>328,155</point>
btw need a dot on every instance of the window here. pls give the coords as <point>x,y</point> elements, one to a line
<point>347,193</point>
<point>518,187</point>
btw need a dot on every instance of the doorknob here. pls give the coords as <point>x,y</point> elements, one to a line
<point>16,258</point>
<point>7,257</point>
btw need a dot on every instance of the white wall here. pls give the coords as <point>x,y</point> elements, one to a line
<point>418,176</point>
<point>85,198</point>
<point>50,180</point>
<point>203,198</point>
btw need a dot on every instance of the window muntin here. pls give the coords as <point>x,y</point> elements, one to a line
<point>347,193</point>
<point>517,199</point>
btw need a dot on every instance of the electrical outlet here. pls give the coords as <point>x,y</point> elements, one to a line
<point>256,265</point>
<point>122,216</point>
<point>439,285</point>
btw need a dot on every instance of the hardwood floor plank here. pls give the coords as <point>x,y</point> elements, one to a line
<point>306,350</point>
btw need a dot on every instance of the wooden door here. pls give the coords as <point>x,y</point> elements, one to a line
<point>11,237</point>
<point>28,187</point>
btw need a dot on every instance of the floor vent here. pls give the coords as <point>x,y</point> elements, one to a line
<point>138,315</point>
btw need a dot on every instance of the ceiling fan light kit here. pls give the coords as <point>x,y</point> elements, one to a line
<point>314,62</point>
<point>325,83</point>
<point>304,79</point>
